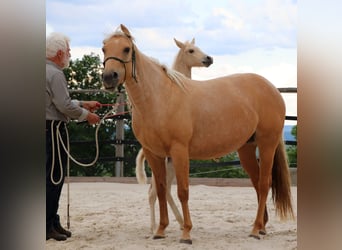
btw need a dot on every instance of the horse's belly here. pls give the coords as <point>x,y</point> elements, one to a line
<point>217,143</point>
<point>213,150</point>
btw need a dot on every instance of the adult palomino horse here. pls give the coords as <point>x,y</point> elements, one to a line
<point>169,118</point>
<point>187,57</point>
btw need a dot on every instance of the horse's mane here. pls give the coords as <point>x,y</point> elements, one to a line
<point>173,75</point>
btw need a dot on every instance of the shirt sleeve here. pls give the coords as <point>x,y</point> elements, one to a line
<point>62,100</point>
<point>84,111</point>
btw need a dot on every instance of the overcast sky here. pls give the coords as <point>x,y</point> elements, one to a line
<point>242,36</point>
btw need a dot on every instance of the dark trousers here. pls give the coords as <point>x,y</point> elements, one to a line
<point>53,190</point>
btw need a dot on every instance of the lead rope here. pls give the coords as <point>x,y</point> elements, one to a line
<point>59,141</point>
<point>53,154</point>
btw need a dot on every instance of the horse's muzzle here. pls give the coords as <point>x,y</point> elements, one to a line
<point>110,80</point>
<point>208,61</point>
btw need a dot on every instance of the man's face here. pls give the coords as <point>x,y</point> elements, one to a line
<point>66,57</point>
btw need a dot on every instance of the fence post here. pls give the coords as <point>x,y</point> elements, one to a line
<point>120,136</point>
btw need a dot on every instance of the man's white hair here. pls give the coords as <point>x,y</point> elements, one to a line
<point>54,42</point>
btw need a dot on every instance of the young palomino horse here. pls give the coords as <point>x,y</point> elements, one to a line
<point>169,118</point>
<point>187,57</point>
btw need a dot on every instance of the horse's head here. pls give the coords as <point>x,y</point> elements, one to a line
<point>119,58</point>
<point>193,56</point>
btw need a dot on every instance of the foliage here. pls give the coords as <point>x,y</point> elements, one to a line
<point>292,150</point>
<point>222,169</point>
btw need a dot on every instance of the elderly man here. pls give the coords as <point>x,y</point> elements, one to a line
<point>59,109</point>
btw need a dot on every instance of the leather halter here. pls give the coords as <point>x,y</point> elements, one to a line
<point>124,63</point>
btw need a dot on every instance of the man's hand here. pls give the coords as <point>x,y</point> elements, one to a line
<point>91,105</point>
<point>93,118</point>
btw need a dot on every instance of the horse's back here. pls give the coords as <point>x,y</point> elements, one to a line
<point>241,81</point>
<point>239,91</point>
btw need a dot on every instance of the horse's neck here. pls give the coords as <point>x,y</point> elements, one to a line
<point>181,67</point>
<point>146,93</point>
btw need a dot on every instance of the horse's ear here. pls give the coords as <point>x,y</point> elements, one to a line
<point>178,43</point>
<point>125,30</point>
<point>193,41</point>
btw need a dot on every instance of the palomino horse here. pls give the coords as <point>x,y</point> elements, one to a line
<point>174,116</point>
<point>187,57</point>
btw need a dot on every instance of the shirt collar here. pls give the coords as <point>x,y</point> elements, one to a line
<point>53,64</point>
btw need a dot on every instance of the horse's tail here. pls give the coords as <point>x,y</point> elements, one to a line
<point>281,184</point>
<point>140,167</point>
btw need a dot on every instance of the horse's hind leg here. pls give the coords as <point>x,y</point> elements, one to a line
<point>249,162</point>
<point>170,175</point>
<point>152,198</point>
<point>267,148</point>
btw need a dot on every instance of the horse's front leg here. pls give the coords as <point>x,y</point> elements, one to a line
<point>180,160</point>
<point>159,173</point>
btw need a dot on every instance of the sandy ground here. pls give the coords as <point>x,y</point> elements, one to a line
<point>116,216</point>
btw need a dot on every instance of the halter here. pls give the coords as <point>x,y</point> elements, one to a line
<point>124,63</point>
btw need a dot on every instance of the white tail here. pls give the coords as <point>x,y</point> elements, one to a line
<point>140,168</point>
<point>152,192</point>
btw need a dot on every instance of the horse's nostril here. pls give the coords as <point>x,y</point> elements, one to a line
<point>207,61</point>
<point>108,77</point>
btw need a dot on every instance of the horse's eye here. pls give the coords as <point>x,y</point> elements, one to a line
<point>126,50</point>
<point>191,51</point>
<point>103,50</point>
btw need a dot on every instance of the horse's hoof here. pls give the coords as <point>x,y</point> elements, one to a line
<point>156,237</point>
<point>262,232</point>
<point>255,236</point>
<point>186,241</point>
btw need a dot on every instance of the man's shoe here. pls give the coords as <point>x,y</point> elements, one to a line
<point>53,234</point>
<point>61,230</point>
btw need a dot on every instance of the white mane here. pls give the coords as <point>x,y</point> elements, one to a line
<point>174,75</point>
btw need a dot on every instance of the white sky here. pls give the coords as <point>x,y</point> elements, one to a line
<point>242,36</point>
